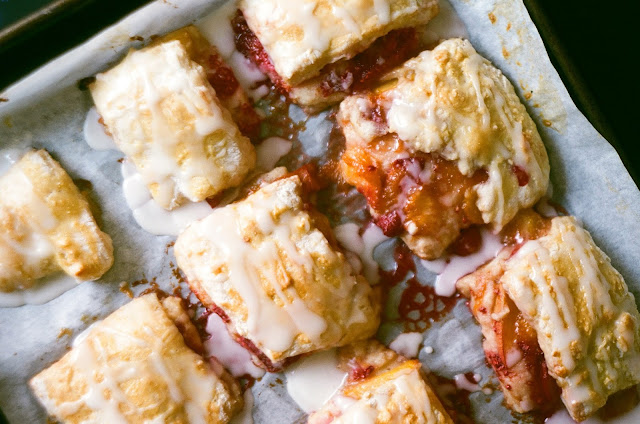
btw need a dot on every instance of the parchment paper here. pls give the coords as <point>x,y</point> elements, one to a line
<point>47,110</point>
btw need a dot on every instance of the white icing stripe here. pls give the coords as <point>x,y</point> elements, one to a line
<point>271,325</point>
<point>407,344</point>
<point>348,235</point>
<point>149,214</point>
<point>44,290</point>
<point>313,380</point>
<point>94,132</point>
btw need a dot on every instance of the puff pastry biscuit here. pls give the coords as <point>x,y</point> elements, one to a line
<point>46,226</point>
<point>390,390</point>
<point>443,143</point>
<point>134,367</point>
<point>270,267</point>
<point>563,287</point>
<point>317,49</point>
<point>164,115</point>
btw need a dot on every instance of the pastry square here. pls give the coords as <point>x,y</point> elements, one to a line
<point>164,115</point>
<point>135,367</point>
<point>578,306</point>
<point>46,225</point>
<point>269,265</point>
<point>382,387</point>
<point>301,38</point>
<point>441,144</point>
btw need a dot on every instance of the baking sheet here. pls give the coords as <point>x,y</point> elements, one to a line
<point>47,110</point>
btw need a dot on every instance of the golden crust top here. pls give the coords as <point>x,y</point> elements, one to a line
<point>394,392</point>
<point>282,284</point>
<point>134,367</point>
<point>164,115</point>
<point>46,225</point>
<point>587,323</point>
<point>302,37</point>
<point>452,102</point>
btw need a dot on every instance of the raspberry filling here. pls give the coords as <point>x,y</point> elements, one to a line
<point>345,76</point>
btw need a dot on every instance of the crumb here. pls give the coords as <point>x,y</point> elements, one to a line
<point>3,99</point>
<point>528,95</point>
<point>547,123</point>
<point>509,26</point>
<point>64,332</point>
<point>505,52</point>
<point>169,246</point>
<point>136,38</point>
<point>492,17</point>
<point>124,288</point>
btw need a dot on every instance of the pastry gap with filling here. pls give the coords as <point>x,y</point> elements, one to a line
<point>381,386</point>
<point>46,226</point>
<point>443,143</point>
<point>320,51</point>
<point>270,267</point>
<point>137,365</point>
<point>556,318</point>
<point>163,114</point>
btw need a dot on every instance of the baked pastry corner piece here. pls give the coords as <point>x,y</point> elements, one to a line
<point>270,267</point>
<point>441,144</point>
<point>165,117</point>
<point>135,367</point>
<point>391,389</point>
<point>561,291</point>
<point>298,43</point>
<point>46,225</point>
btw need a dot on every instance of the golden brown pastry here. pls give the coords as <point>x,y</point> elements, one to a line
<point>164,115</point>
<point>270,267</point>
<point>441,144</point>
<point>556,293</point>
<point>221,77</point>
<point>134,367</point>
<point>307,47</point>
<point>46,226</point>
<point>382,388</point>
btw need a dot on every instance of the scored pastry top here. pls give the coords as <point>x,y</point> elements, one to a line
<point>270,263</point>
<point>46,225</point>
<point>301,37</point>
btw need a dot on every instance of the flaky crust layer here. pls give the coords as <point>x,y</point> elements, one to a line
<point>134,367</point>
<point>164,115</point>
<point>276,276</point>
<point>454,103</point>
<point>393,392</point>
<point>46,225</point>
<point>302,37</point>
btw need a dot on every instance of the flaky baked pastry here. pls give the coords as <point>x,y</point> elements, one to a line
<point>46,226</point>
<point>442,143</point>
<point>134,367</point>
<point>307,47</point>
<point>561,291</point>
<point>382,388</point>
<point>164,115</point>
<point>270,267</point>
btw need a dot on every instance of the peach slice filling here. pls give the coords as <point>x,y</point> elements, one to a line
<point>414,193</point>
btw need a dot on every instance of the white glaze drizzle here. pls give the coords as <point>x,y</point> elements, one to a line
<point>462,382</point>
<point>456,267</point>
<point>231,355</point>
<point>348,235</point>
<point>313,380</point>
<point>95,134</point>
<point>149,214</point>
<point>44,290</point>
<point>407,344</point>
<point>270,150</point>
<point>270,325</point>
<point>89,358</point>
<point>156,74</point>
